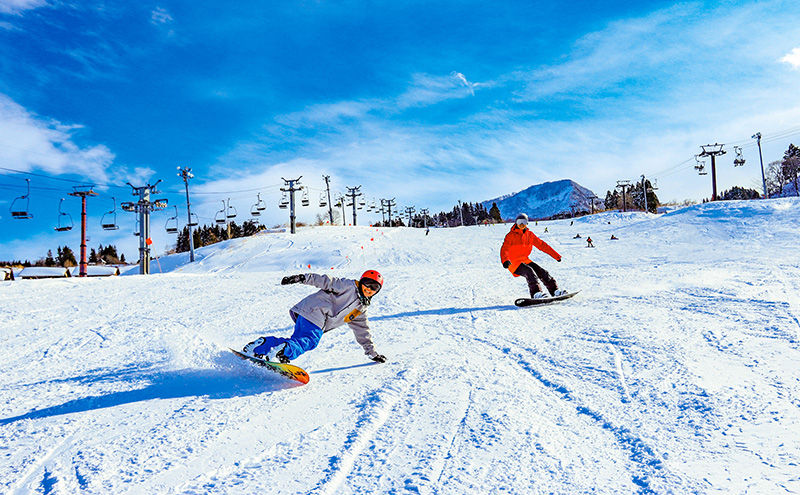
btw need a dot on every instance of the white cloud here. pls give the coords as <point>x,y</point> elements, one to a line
<point>160,16</point>
<point>793,58</point>
<point>17,6</point>
<point>29,142</point>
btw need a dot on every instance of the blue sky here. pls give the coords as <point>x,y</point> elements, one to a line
<point>425,103</point>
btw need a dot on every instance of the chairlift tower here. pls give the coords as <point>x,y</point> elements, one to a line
<point>713,150</point>
<point>424,213</point>
<point>353,193</point>
<point>82,192</point>
<point>327,179</point>
<point>142,208</point>
<point>591,201</point>
<point>409,211</point>
<point>186,174</point>
<point>623,184</point>
<point>290,188</point>
<point>388,203</point>
<point>757,136</point>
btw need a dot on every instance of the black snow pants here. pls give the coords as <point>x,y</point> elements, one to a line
<point>533,273</point>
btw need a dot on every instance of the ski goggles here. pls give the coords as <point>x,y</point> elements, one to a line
<point>522,221</point>
<point>371,284</point>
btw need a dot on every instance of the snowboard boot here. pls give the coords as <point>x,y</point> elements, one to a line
<point>276,354</point>
<point>248,350</point>
<point>559,292</point>
<point>541,295</point>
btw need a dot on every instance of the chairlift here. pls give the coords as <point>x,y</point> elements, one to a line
<point>284,202</point>
<point>19,207</point>
<point>192,220</point>
<point>172,223</point>
<point>230,211</point>
<point>136,229</point>
<point>109,220</point>
<point>220,216</point>
<point>63,226</point>
<point>323,201</point>
<point>701,166</point>
<point>305,201</point>
<point>739,160</point>
<point>257,208</point>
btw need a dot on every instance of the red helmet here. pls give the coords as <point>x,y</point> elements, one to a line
<point>372,277</point>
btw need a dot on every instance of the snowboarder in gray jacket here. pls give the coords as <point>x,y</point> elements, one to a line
<point>338,301</point>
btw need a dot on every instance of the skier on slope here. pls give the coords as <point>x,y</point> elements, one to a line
<point>338,301</point>
<point>514,255</point>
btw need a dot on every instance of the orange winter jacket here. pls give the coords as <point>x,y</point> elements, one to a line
<point>517,247</point>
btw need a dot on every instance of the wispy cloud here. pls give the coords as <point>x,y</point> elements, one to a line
<point>29,142</point>
<point>161,18</point>
<point>461,77</point>
<point>18,6</point>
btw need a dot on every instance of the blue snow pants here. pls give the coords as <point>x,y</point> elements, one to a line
<point>306,337</point>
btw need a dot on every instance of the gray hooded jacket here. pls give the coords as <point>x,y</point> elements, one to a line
<point>334,305</point>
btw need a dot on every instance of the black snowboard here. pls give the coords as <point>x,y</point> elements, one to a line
<point>526,301</point>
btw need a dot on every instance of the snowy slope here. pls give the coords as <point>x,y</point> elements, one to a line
<point>544,200</point>
<point>674,371</point>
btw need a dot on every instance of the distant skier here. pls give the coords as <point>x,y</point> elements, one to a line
<point>614,238</point>
<point>338,301</point>
<point>589,242</point>
<point>517,247</point>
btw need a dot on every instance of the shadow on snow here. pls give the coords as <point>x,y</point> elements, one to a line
<point>169,384</point>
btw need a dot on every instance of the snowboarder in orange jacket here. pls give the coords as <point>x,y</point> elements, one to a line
<point>514,255</point>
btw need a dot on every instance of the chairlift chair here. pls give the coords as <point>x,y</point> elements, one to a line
<point>305,201</point>
<point>323,201</point>
<point>701,166</point>
<point>284,202</point>
<point>19,208</point>
<point>109,220</point>
<point>63,226</point>
<point>220,216</point>
<point>258,207</point>
<point>192,220</point>
<point>230,211</point>
<point>172,223</point>
<point>739,160</point>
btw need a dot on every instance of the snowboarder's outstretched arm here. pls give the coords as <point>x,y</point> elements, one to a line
<point>323,282</point>
<point>545,248</point>
<point>363,336</point>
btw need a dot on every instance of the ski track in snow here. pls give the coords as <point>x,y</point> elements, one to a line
<point>673,371</point>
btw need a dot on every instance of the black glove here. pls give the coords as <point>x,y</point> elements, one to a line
<point>506,264</point>
<point>559,260</point>
<point>293,279</point>
<point>380,358</point>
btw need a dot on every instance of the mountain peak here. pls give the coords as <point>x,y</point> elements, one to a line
<point>547,200</point>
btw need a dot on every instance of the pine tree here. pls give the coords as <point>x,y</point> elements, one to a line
<point>494,212</point>
<point>66,257</point>
<point>49,260</point>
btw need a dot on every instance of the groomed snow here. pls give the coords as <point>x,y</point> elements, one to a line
<point>675,370</point>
